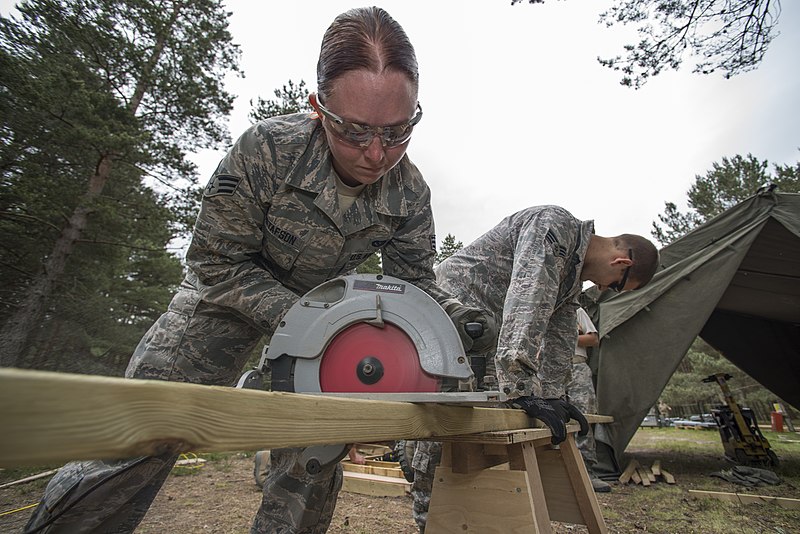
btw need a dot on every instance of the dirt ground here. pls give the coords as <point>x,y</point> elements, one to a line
<point>221,497</point>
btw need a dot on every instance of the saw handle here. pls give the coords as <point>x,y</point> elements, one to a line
<point>474,330</point>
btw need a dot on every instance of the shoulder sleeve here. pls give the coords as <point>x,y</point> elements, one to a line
<point>410,253</point>
<point>229,230</point>
<point>537,339</point>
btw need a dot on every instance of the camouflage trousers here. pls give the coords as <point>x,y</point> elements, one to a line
<point>582,395</point>
<point>427,455</point>
<point>202,344</point>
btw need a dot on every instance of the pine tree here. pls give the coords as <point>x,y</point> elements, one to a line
<point>101,99</point>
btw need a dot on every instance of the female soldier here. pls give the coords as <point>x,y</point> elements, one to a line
<point>298,200</point>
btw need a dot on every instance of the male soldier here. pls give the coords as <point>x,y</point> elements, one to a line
<point>580,391</point>
<point>528,271</point>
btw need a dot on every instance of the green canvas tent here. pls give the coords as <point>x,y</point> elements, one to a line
<point>735,282</point>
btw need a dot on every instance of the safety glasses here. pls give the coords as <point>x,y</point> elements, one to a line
<point>618,286</point>
<point>361,135</point>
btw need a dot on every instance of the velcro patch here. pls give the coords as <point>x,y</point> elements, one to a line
<point>222,184</point>
<point>558,250</point>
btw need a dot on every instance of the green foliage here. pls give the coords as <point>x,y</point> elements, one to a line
<point>449,247</point>
<point>291,99</point>
<point>725,185</point>
<point>100,102</point>
<point>731,36</point>
<point>686,392</point>
<point>371,266</point>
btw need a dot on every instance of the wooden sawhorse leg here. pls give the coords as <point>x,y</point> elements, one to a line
<point>509,482</point>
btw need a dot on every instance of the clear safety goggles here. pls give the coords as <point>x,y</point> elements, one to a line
<point>361,135</point>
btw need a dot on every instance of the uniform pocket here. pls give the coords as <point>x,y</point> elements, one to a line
<point>281,244</point>
<point>185,301</point>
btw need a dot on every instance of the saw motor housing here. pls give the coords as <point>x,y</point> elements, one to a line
<point>356,306</point>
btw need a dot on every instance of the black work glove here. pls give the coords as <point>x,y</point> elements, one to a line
<point>461,315</point>
<point>555,413</point>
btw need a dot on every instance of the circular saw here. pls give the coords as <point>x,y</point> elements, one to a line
<point>359,335</point>
<point>365,333</point>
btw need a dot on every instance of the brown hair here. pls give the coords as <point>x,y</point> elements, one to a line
<point>645,257</point>
<point>364,38</point>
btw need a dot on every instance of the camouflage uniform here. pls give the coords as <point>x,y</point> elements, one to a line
<point>581,390</point>
<point>269,229</point>
<point>526,271</point>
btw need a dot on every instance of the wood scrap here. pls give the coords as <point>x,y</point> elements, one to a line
<point>643,475</point>
<point>743,498</point>
<point>626,475</point>
<point>650,475</point>
<point>189,462</point>
<point>372,467</point>
<point>656,469</point>
<point>375,485</point>
<point>29,479</point>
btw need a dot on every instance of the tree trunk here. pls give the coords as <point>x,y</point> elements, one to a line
<point>17,330</point>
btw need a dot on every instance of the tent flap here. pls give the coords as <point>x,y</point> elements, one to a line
<point>735,281</point>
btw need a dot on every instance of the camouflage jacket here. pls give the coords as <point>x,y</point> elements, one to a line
<point>526,271</point>
<point>270,227</point>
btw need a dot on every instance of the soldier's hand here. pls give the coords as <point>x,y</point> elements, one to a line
<point>555,413</point>
<point>461,315</point>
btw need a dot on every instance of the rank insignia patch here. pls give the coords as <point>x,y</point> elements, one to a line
<point>222,184</point>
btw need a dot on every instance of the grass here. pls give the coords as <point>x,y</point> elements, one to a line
<point>692,455</point>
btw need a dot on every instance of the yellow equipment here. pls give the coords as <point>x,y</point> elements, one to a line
<point>741,437</point>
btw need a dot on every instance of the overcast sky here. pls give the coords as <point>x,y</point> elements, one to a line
<point>518,112</point>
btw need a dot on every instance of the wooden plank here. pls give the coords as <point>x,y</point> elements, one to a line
<point>635,476</point>
<point>29,479</point>
<point>94,417</point>
<point>189,462</point>
<point>582,486</point>
<point>650,475</point>
<point>645,480</point>
<point>656,469</point>
<point>380,463</point>
<point>469,457</point>
<point>487,502</point>
<point>540,435</point>
<point>668,478</point>
<point>628,472</point>
<point>393,471</point>
<point>743,498</point>
<point>524,454</point>
<point>375,485</point>
<point>559,492</point>
<point>593,418</point>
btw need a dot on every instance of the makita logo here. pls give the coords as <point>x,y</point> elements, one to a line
<point>394,288</point>
<point>383,287</point>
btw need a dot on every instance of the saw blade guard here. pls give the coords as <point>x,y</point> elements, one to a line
<point>315,321</point>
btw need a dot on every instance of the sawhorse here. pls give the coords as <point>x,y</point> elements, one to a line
<point>511,481</point>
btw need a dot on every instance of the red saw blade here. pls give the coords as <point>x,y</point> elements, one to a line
<point>370,359</point>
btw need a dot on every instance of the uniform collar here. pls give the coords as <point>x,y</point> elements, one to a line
<point>314,173</point>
